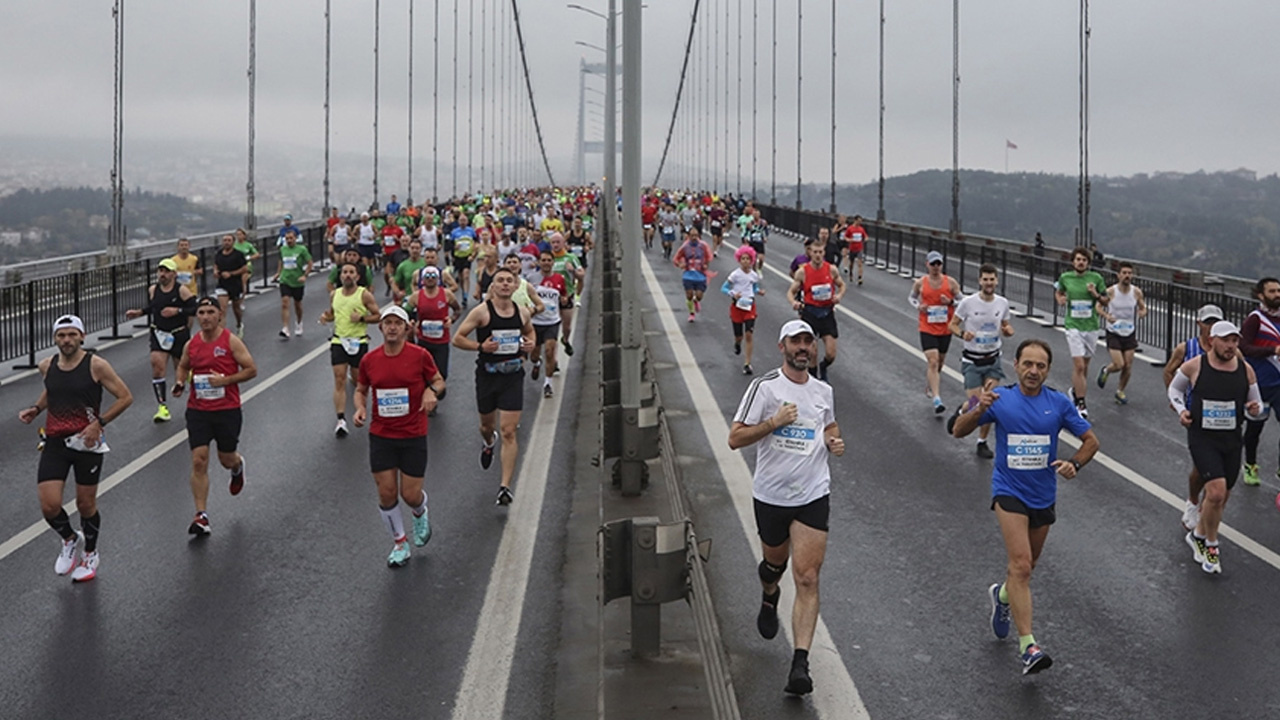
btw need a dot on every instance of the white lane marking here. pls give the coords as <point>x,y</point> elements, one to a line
<point>834,694</point>
<point>34,530</point>
<point>1246,543</point>
<point>483,691</point>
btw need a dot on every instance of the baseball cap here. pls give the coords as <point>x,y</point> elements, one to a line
<point>1224,328</point>
<point>1209,312</point>
<point>288,216</point>
<point>933,257</point>
<point>792,328</point>
<point>394,310</point>
<point>68,321</point>
<point>169,264</point>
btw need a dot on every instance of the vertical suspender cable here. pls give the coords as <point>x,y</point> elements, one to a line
<point>471,95</point>
<point>715,101</point>
<point>955,119</point>
<point>453,193</point>
<point>675,113</point>
<point>251,216</point>
<point>377,35</point>
<point>328,45</point>
<point>533,108</point>
<point>409,194</point>
<point>484,53</point>
<point>833,106</point>
<point>880,188</point>
<point>435,106</point>
<point>799,95</point>
<point>115,236</point>
<point>738,64</point>
<point>773,125</point>
<point>725,125</point>
<point>755,69</point>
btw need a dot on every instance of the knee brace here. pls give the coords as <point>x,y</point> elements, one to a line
<point>770,574</point>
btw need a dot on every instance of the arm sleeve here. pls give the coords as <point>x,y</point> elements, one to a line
<point>1177,391</point>
<point>189,307</point>
<point>1255,394</point>
<point>726,288</point>
<point>914,299</point>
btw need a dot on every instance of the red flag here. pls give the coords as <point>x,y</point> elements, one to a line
<point>1010,145</point>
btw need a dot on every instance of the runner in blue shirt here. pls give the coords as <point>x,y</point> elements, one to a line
<point>393,207</point>
<point>1024,485</point>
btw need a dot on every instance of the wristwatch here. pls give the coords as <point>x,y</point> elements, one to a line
<point>1075,464</point>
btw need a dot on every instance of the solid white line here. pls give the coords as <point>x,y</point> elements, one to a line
<point>34,530</point>
<point>834,694</point>
<point>483,691</point>
<point>1246,543</point>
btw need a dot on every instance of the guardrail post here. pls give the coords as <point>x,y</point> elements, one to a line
<point>649,562</point>
<point>1168,321</point>
<point>31,327</point>
<point>75,294</point>
<point>115,305</point>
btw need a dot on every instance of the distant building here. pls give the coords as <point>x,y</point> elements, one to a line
<point>1243,174</point>
<point>10,238</point>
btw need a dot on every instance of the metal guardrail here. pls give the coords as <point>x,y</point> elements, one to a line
<point>100,295</point>
<point>1027,278</point>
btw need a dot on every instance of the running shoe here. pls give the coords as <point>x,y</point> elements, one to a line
<point>1121,398</point>
<point>568,349</point>
<point>399,556</point>
<point>536,370</point>
<point>1080,406</point>
<point>162,414</point>
<point>86,569</point>
<point>938,407</point>
<point>1034,660</point>
<point>422,528</point>
<point>297,329</point>
<point>1190,516</point>
<point>200,525</point>
<point>1251,475</point>
<point>341,429</point>
<point>486,455</point>
<point>1197,547</point>
<point>859,281</point>
<point>284,333</point>
<point>237,478</point>
<point>68,555</point>
<point>746,369</point>
<point>697,306</point>
<point>798,681</point>
<point>1103,374</point>
<point>691,316</point>
<point>767,620</point>
<point>999,613</point>
<point>505,496</point>
<point>984,451</point>
<point>737,348</point>
<point>240,330</point>
<point>1211,563</point>
<point>547,392</point>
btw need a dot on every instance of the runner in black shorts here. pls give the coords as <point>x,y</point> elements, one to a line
<point>230,265</point>
<point>73,383</point>
<point>170,308</point>
<point>503,332</point>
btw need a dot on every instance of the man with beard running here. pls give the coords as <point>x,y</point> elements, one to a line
<point>694,258</point>
<point>351,309</point>
<point>981,321</point>
<point>935,296</point>
<point>790,417</point>
<point>503,333</point>
<point>1260,345</point>
<point>1126,306</point>
<point>433,309</point>
<point>820,288</point>
<point>554,294</point>
<point>1081,292</point>
<point>73,384</point>
<point>1222,390</point>
<point>1206,317</point>
<point>170,306</point>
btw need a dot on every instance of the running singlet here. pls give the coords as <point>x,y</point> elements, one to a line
<point>695,256</point>
<point>1123,309</point>
<point>819,289</point>
<point>160,300</point>
<point>74,398</point>
<point>1081,313</point>
<point>432,314</point>
<point>365,234</point>
<point>936,306</point>
<point>186,271</point>
<point>551,291</point>
<point>351,335</point>
<point>506,332</point>
<point>791,462</point>
<point>1027,442</point>
<point>396,384</point>
<point>463,241</point>
<point>567,265</point>
<point>1217,406</point>
<point>855,235</point>
<point>208,359</point>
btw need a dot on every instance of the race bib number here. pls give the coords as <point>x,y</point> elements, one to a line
<point>508,342</point>
<point>821,293</point>
<point>1027,452</point>
<point>163,339</point>
<point>351,345</point>
<point>1081,309</point>
<point>463,246</point>
<point>798,438</point>
<point>935,314</point>
<point>432,329</point>
<point>1218,415</point>
<point>205,390</point>
<point>184,278</point>
<point>392,402</point>
<point>291,262</point>
<point>1121,327</point>
<point>745,302</point>
<point>988,335</point>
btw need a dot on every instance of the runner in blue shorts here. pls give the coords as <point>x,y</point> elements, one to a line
<point>693,257</point>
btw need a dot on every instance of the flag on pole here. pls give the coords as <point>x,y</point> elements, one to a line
<point>1010,145</point>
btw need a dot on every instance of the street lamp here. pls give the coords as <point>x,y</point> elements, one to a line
<point>597,13</point>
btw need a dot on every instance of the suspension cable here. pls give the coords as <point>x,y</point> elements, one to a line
<point>533,108</point>
<point>684,68</point>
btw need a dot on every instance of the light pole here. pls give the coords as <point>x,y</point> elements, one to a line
<point>610,97</point>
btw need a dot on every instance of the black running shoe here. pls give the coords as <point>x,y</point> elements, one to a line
<point>237,478</point>
<point>535,371</point>
<point>737,348</point>
<point>799,682</point>
<point>767,620</point>
<point>505,496</point>
<point>984,451</point>
<point>568,349</point>
<point>486,456</point>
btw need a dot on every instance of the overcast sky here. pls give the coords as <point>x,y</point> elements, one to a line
<point>1176,84</point>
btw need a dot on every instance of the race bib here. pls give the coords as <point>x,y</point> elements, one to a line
<point>163,339</point>
<point>463,246</point>
<point>508,342</point>
<point>351,345</point>
<point>1081,309</point>
<point>934,314</point>
<point>821,293</point>
<point>1218,415</point>
<point>433,329</point>
<point>392,402</point>
<point>988,335</point>
<point>1027,452</point>
<point>798,438</point>
<point>1121,327</point>
<point>203,390</point>
<point>291,262</point>
<point>745,302</point>
<point>184,278</point>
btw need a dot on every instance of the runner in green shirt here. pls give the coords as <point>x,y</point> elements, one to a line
<point>1080,291</point>
<point>407,269</point>
<point>291,274</point>
<point>567,266</point>
<point>249,249</point>
<point>350,255</point>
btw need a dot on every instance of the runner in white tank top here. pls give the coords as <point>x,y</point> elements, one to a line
<point>1121,315</point>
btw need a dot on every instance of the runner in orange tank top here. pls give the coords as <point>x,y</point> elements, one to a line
<point>935,295</point>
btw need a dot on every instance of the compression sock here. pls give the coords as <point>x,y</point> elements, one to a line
<point>1004,594</point>
<point>395,522</point>
<point>1025,641</point>
<point>419,510</point>
<point>90,526</point>
<point>689,303</point>
<point>61,524</point>
<point>158,387</point>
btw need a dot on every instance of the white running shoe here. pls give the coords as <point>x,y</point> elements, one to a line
<point>86,569</point>
<point>341,429</point>
<point>297,329</point>
<point>68,554</point>
<point>1190,515</point>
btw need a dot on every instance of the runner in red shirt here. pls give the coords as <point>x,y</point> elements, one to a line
<point>405,385</point>
<point>648,213</point>
<point>217,361</point>
<point>856,237</point>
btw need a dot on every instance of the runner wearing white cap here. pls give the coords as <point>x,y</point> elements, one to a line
<point>1193,347</point>
<point>1225,390</point>
<point>794,414</point>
